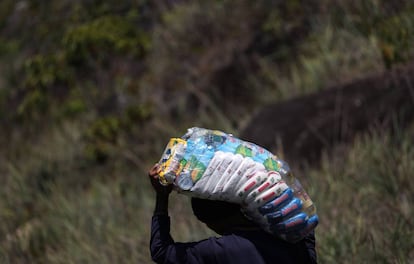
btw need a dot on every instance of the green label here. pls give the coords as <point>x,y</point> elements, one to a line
<point>271,165</point>
<point>244,151</point>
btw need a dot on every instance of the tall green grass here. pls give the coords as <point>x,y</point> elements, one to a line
<point>364,202</point>
<point>363,198</point>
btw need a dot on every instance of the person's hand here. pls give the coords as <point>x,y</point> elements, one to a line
<point>154,177</point>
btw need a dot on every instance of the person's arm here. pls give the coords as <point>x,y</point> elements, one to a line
<point>160,226</point>
<point>162,192</point>
<point>161,204</point>
<point>161,240</point>
<point>162,246</point>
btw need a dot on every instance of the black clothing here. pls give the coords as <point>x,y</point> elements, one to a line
<point>254,247</point>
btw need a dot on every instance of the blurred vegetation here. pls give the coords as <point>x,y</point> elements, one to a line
<point>90,92</point>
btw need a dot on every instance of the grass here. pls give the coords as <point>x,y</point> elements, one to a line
<point>363,199</point>
<point>363,202</point>
<point>329,57</point>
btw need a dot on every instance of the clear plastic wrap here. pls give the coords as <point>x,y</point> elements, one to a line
<point>211,164</point>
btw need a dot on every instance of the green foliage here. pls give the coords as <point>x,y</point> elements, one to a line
<point>390,22</point>
<point>44,77</point>
<point>104,136</point>
<point>35,104</point>
<point>102,37</point>
<point>138,113</point>
<point>8,47</point>
<point>50,79</point>
<point>73,107</point>
<point>101,135</point>
<point>105,129</point>
<point>43,71</point>
<point>284,27</point>
<point>396,35</point>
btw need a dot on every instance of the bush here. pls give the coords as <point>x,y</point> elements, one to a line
<point>100,39</point>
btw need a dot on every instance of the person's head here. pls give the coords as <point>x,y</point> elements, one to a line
<point>221,217</point>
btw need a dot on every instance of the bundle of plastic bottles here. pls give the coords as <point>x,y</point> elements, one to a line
<point>211,164</point>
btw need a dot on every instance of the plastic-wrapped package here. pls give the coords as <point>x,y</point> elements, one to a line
<point>211,164</point>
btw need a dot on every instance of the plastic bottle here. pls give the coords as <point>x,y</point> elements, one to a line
<point>308,206</point>
<point>186,163</point>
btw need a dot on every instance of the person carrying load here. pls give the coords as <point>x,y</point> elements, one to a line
<point>239,190</point>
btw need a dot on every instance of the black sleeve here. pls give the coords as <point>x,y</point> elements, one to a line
<point>310,244</point>
<point>160,237</point>
<point>226,249</point>
<point>165,250</point>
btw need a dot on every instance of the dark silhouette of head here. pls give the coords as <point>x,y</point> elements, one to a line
<point>221,217</point>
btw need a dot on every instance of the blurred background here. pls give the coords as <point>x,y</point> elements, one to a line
<point>91,91</point>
